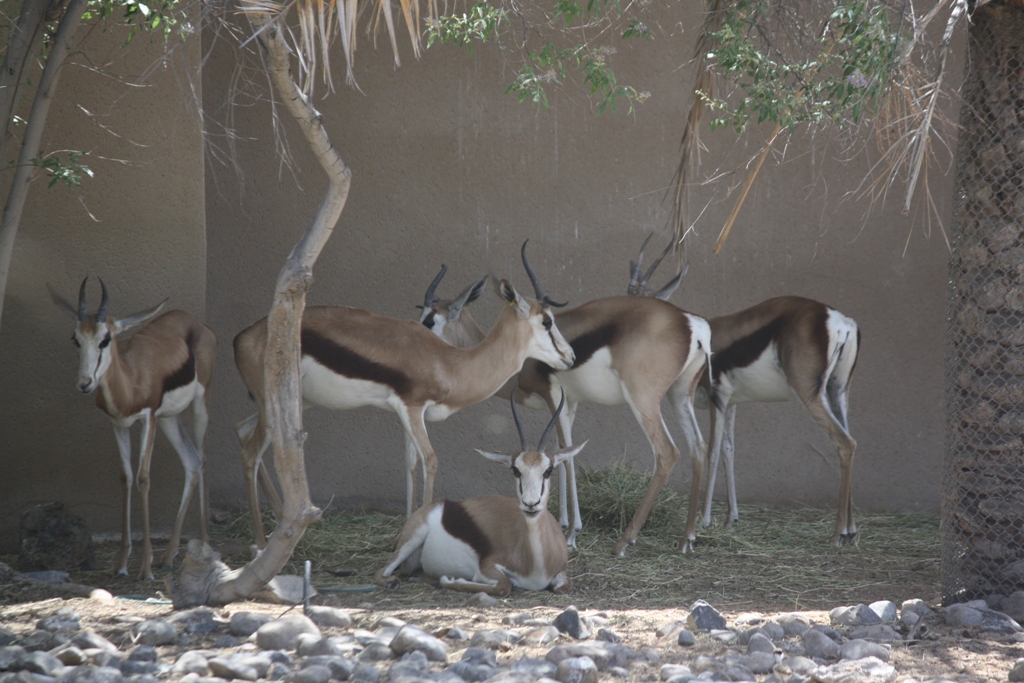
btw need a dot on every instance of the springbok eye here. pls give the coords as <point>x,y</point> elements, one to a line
<point>428,322</point>
<point>105,343</point>
<point>516,473</point>
<point>548,322</point>
<point>548,472</point>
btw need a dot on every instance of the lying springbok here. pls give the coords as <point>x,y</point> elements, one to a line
<point>780,348</point>
<point>153,376</point>
<point>491,543</point>
<point>352,358</point>
<point>628,351</point>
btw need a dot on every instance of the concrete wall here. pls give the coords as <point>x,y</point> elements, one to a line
<point>447,168</point>
<point>139,225</point>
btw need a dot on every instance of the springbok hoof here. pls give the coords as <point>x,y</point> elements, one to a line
<point>685,545</point>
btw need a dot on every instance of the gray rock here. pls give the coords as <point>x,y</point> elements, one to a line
<point>972,614</point>
<point>859,649</point>
<point>882,632</point>
<point>727,636</point>
<point>886,610</point>
<point>327,617</point>
<point>471,672</point>
<point>92,674</point>
<point>62,620</point>
<point>674,671</point>
<point>143,653</point>
<point>760,643</point>
<point>38,662</point>
<point>480,655</point>
<point>278,671</point>
<point>198,620</point>
<point>391,622</point>
<point>774,631</point>
<point>482,599</point>
<point>833,634</point>
<point>283,633</point>
<point>576,670</point>
<point>1016,674</point>
<point>542,635</point>
<point>1013,607</point>
<point>604,655</point>
<point>820,646</point>
<point>855,615</point>
<point>341,668</point>
<point>568,622</point>
<point>608,636</point>
<point>88,640</point>
<point>413,666</point>
<point>136,668</point>
<point>495,640</point>
<point>54,538</point>
<point>759,662</point>
<point>9,654</point>
<point>916,607</point>
<point>534,668</point>
<point>49,576</point>
<point>244,624</point>
<point>515,677</point>
<point>310,674</point>
<point>686,638</point>
<point>619,672</point>
<point>668,629</point>
<point>190,662</point>
<point>6,637</point>
<point>456,633</point>
<point>40,640</point>
<point>376,652</point>
<point>103,658</point>
<point>414,639</point>
<point>868,670</point>
<point>800,665</point>
<point>365,673</point>
<point>310,645</point>
<point>154,632</point>
<point>704,618</point>
<point>232,667</point>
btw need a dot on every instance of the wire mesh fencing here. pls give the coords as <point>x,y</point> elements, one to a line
<point>983,475</point>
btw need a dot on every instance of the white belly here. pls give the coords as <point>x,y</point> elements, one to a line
<point>445,555</point>
<point>594,381</point>
<point>436,412</point>
<point>321,387</point>
<point>762,380</point>
<point>177,400</point>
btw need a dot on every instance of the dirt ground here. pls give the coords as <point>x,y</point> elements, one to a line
<point>650,587</point>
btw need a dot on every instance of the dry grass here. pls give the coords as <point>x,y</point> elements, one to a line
<point>774,559</point>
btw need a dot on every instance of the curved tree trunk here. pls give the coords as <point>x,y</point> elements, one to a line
<point>983,476</point>
<point>203,578</point>
<point>34,127</point>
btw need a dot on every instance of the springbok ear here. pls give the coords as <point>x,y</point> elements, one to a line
<point>132,321</point>
<point>566,453</point>
<point>514,299</point>
<point>468,296</point>
<point>500,458</point>
<point>61,302</point>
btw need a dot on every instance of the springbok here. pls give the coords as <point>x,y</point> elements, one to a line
<point>780,348</point>
<point>153,376</point>
<point>352,358</point>
<point>628,351</point>
<point>492,543</point>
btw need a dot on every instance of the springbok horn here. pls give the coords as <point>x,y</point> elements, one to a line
<point>635,284</point>
<point>657,262</point>
<point>101,312</point>
<point>429,300</point>
<point>554,419</point>
<point>83,307</point>
<point>538,292</point>
<point>519,425</point>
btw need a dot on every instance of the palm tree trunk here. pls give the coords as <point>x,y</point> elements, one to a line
<point>983,475</point>
<point>203,578</point>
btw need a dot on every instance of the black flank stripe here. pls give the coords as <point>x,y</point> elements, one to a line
<point>459,524</point>
<point>186,374</point>
<point>350,364</point>
<point>588,344</point>
<point>743,352</point>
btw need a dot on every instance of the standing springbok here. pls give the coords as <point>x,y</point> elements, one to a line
<point>492,543</point>
<point>628,351</point>
<point>780,348</point>
<point>352,358</point>
<point>153,376</point>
